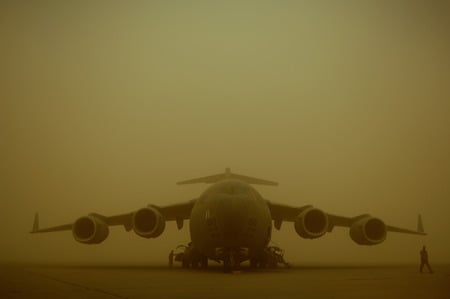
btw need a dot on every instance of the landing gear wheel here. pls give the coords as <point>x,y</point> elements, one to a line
<point>227,265</point>
<point>235,264</point>
<point>253,263</point>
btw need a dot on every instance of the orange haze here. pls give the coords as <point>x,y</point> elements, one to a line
<point>105,105</point>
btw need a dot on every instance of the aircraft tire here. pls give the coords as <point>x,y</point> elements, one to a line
<point>253,263</point>
<point>227,265</point>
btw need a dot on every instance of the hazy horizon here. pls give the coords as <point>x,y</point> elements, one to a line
<point>104,108</point>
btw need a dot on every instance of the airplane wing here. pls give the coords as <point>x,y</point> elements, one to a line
<point>347,222</point>
<point>312,223</point>
<point>147,222</point>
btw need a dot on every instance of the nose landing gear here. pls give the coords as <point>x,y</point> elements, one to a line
<point>232,257</point>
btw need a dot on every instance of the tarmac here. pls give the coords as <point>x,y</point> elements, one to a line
<point>362,282</point>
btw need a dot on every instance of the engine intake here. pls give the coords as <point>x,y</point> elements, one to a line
<point>368,231</point>
<point>148,222</point>
<point>90,230</point>
<point>311,223</point>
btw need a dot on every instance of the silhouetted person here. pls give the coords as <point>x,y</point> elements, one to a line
<point>424,260</point>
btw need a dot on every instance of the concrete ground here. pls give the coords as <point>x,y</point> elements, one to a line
<point>31,281</point>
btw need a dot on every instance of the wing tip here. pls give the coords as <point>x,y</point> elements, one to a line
<point>35,227</point>
<point>420,228</point>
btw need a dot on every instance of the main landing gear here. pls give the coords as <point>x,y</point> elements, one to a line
<point>188,256</point>
<point>231,258</point>
<point>270,257</point>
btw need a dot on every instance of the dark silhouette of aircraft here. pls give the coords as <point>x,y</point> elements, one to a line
<point>229,222</point>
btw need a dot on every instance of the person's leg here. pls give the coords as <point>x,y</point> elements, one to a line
<point>429,267</point>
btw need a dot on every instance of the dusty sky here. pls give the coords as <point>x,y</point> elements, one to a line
<point>105,105</point>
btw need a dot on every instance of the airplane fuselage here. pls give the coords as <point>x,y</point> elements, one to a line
<point>230,216</point>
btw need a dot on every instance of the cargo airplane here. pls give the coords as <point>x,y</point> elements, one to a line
<point>230,221</point>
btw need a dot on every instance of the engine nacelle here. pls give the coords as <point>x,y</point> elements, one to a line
<point>148,222</point>
<point>311,223</point>
<point>90,230</point>
<point>368,231</point>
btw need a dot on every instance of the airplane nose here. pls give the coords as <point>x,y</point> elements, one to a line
<point>232,216</point>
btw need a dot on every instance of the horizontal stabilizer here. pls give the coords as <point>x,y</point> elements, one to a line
<point>228,175</point>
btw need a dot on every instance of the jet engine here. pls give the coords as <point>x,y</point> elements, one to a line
<point>311,223</point>
<point>368,231</point>
<point>90,230</point>
<point>148,222</point>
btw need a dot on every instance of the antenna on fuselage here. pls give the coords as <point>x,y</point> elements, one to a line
<point>228,175</point>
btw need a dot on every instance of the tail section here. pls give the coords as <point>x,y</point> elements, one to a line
<point>228,175</point>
